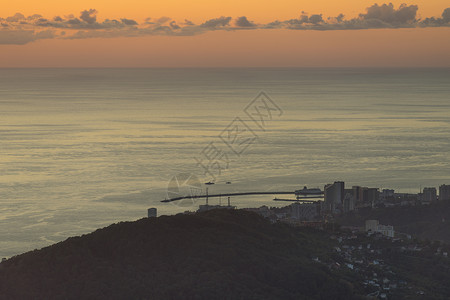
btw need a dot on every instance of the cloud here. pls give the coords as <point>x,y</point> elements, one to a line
<point>20,29</point>
<point>174,25</point>
<point>446,15</point>
<point>340,18</point>
<point>22,37</point>
<point>16,37</point>
<point>438,22</point>
<point>34,17</point>
<point>243,22</point>
<point>163,20</point>
<point>129,22</point>
<point>74,21</point>
<point>90,34</point>
<point>303,22</point>
<point>376,16</point>
<point>387,13</point>
<point>188,23</point>
<point>89,16</point>
<point>217,23</point>
<point>16,18</point>
<point>315,19</point>
<point>45,34</point>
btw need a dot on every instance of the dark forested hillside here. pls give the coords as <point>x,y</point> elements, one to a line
<point>227,254</point>
<point>220,254</point>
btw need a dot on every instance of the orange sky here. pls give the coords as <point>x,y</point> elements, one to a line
<point>198,10</point>
<point>373,47</point>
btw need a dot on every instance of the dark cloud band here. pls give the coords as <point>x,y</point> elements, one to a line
<point>19,29</point>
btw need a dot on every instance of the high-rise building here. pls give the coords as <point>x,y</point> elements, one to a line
<point>429,194</point>
<point>373,195</point>
<point>305,211</point>
<point>444,192</point>
<point>366,196</point>
<point>356,193</point>
<point>334,196</point>
<point>387,194</point>
<point>152,213</point>
<point>349,202</point>
<point>374,226</point>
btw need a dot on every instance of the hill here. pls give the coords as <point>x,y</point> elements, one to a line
<point>221,254</point>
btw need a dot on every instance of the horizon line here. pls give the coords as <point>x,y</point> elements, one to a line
<point>236,67</point>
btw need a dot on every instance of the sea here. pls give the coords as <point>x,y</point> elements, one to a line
<point>81,149</point>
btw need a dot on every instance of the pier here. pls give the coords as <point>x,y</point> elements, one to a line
<point>227,195</point>
<point>300,197</point>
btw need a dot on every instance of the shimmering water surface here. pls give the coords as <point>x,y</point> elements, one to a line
<point>83,148</point>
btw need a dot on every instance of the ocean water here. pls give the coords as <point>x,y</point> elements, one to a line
<point>83,148</point>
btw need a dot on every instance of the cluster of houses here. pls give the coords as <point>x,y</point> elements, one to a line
<point>365,257</point>
<point>368,255</point>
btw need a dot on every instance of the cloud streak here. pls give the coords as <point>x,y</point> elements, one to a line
<point>20,29</point>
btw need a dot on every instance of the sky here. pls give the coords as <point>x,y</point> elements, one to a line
<point>198,33</point>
